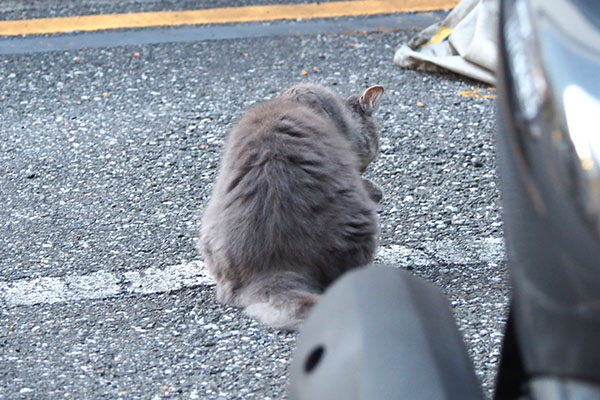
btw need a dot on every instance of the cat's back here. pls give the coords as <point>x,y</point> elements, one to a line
<point>285,136</point>
<point>286,168</point>
<point>288,194</point>
<point>278,124</point>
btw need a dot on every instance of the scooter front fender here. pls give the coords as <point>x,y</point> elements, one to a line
<point>381,333</point>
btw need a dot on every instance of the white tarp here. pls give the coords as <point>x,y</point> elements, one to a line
<point>464,42</point>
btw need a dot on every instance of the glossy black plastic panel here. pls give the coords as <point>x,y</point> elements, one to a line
<point>549,206</point>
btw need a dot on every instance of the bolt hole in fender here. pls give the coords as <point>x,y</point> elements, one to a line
<point>381,333</point>
<point>313,359</point>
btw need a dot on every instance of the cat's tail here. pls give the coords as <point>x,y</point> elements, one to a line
<point>281,300</point>
<point>283,313</point>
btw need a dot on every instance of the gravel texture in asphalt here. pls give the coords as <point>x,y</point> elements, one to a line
<point>107,157</point>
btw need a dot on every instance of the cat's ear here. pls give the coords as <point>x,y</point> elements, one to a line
<point>369,101</point>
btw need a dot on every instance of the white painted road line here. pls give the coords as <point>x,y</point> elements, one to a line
<point>102,284</point>
<point>486,251</point>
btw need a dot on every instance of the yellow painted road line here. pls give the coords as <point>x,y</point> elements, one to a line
<point>219,16</point>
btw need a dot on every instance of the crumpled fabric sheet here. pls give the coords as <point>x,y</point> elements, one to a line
<point>465,42</point>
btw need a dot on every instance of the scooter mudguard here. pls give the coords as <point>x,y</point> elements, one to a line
<point>381,333</point>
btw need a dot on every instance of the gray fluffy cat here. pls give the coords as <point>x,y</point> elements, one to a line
<point>290,211</point>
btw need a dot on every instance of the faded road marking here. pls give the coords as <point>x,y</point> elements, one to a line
<point>103,284</point>
<point>218,16</point>
<point>200,33</point>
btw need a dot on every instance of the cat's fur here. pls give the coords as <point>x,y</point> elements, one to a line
<point>290,212</point>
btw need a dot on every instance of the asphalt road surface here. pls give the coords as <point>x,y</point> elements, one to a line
<point>108,155</point>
